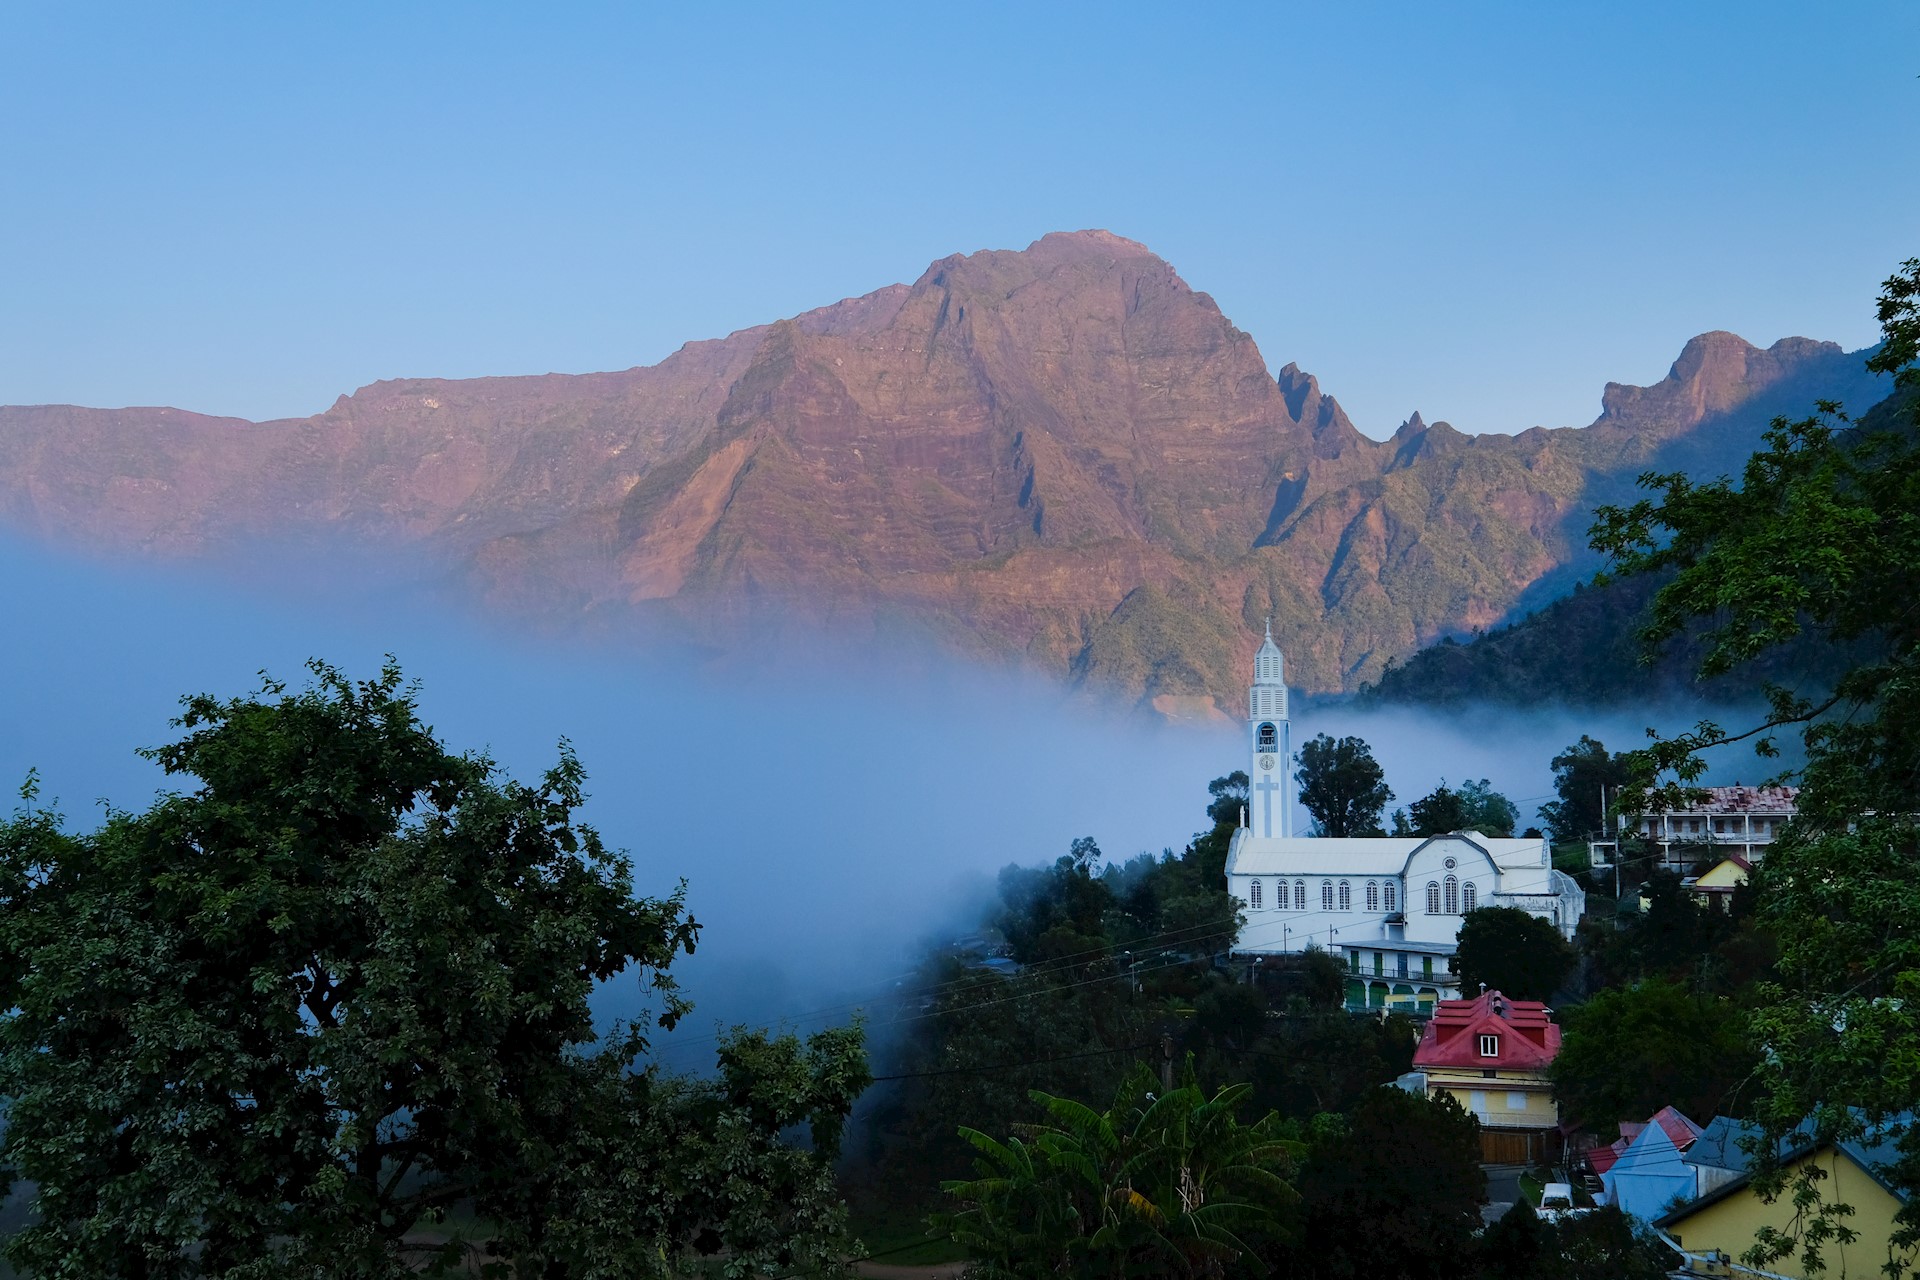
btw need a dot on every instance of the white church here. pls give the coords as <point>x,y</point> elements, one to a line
<point>1390,907</point>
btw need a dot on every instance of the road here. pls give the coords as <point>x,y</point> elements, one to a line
<point>1503,1189</point>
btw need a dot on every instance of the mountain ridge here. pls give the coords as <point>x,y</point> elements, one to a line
<point>1063,456</point>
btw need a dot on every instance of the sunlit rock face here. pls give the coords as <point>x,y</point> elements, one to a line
<point>1064,458</point>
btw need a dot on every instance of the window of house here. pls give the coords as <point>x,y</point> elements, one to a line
<point>1469,896</point>
<point>1353,962</point>
<point>1388,893</point>
<point>1516,1101</point>
<point>1433,898</point>
<point>1346,896</point>
<point>1379,965</point>
<point>1373,895</point>
<point>1426,967</point>
<point>1489,1046</point>
<point>1476,1101</point>
<point>1299,895</point>
<point>1453,895</point>
<point>1253,895</point>
<point>1326,895</point>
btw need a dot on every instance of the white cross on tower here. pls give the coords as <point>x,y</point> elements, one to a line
<point>1266,787</point>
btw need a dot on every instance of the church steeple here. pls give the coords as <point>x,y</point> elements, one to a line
<point>1272,741</point>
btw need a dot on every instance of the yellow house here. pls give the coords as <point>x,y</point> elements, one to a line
<point>1728,1220</point>
<point>1715,886</point>
<point>1490,1054</point>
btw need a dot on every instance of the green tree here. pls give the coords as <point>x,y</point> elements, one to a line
<point>1153,1185</point>
<point>1342,786</point>
<point>1434,814</point>
<point>1513,951</point>
<point>1393,1189</point>
<point>1605,1244</point>
<point>1476,806</point>
<point>1631,1050</point>
<point>1056,911</point>
<point>276,1021</point>
<point>1516,1246</point>
<point>1581,774</point>
<point>1820,538</point>
<point>1487,811</point>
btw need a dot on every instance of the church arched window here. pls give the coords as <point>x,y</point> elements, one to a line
<point>1373,895</point>
<point>1346,896</point>
<point>1453,896</point>
<point>1253,895</point>
<point>1433,897</point>
<point>1469,896</point>
<point>1326,895</point>
<point>1387,892</point>
<point>1299,895</point>
<point>1269,737</point>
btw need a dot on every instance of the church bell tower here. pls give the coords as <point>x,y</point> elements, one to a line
<point>1272,741</point>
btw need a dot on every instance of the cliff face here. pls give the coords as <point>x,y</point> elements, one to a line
<point>1063,456</point>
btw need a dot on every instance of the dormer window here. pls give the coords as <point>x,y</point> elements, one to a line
<point>1269,737</point>
<point>1489,1046</point>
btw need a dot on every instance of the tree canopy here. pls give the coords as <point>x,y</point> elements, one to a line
<point>1820,538</point>
<point>1513,951</point>
<point>1343,786</point>
<point>1475,806</point>
<point>1391,1189</point>
<point>281,1019</point>
<point>1581,774</point>
<point>1631,1050</point>
<point>1159,1184</point>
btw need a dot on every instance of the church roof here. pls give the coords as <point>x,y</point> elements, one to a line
<point>1363,856</point>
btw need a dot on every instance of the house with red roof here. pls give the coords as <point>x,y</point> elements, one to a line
<point>1490,1055</point>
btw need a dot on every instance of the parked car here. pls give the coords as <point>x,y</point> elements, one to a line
<point>1556,1201</point>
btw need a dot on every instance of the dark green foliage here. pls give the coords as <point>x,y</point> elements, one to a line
<point>1596,1244</point>
<point>1111,952</point>
<point>1474,807</point>
<point>272,1023</point>
<point>1631,1050</point>
<point>1514,951</point>
<point>1605,1244</point>
<point>1488,812</point>
<point>1675,938</point>
<point>1434,814</point>
<point>1343,787</point>
<point>1517,1246</point>
<point>1581,774</point>
<point>1160,1183</point>
<point>1394,1189</point>
<point>1056,911</point>
<point>1820,541</point>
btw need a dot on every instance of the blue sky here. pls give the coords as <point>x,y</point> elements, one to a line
<point>1480,211</point>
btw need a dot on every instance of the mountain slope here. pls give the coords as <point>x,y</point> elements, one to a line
<point>1062,456</point>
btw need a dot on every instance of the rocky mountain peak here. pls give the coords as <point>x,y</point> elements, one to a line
<point>1063,456</point>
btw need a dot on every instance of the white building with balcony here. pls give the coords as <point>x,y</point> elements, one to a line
<point>1390,907</point>
<point>1731,821</point>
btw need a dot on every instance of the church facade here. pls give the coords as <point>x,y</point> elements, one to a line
<point>1389,907</point>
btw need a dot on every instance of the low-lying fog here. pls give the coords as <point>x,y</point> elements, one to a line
<point>827,822</point>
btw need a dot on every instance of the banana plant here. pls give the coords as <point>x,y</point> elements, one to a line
<point>1155,1185</point>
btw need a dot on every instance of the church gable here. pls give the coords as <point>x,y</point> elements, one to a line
<point>1450,876</point>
